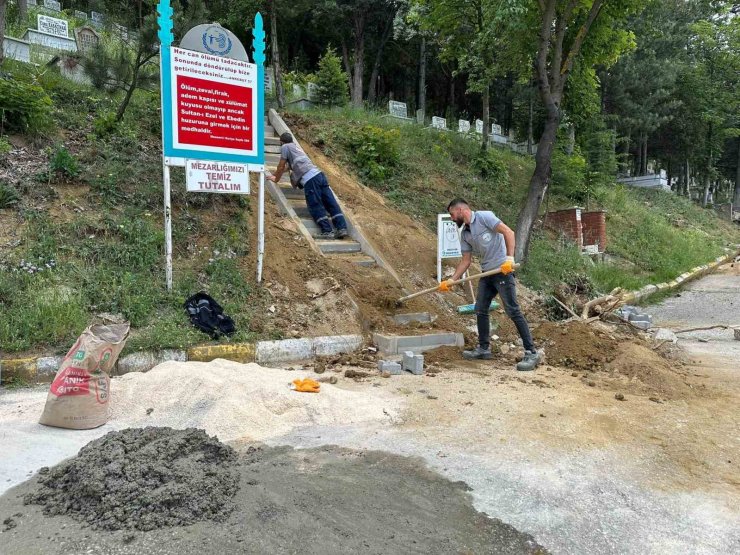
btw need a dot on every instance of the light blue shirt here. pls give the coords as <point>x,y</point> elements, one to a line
<point>481,238</point>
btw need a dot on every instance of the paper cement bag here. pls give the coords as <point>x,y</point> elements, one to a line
<point>79,395</point>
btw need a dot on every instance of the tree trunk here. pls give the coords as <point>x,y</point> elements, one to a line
<point>571,140</point>
<point>687,180</point>
<point>707,184</point>
<point>423,78</point>
<point>358,68</point>
<point>132,86</point>
<point>530,123</point>
<point>347,68</point>
<point>638,160</point>
<point>3,4</point>
<point>22,11</point>
<point>644,154</point>
<point>537,186</point>
<point>279,91</point>
<point>387,31</point>
<point>486,115</point>
<point>736,196</point>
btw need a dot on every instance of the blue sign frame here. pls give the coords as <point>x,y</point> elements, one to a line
<point>164,19</point>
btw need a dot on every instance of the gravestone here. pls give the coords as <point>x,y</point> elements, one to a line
<point>298,91</point>
<point>97,18</point>
<point>81,15</point>
<point>87,39</point>
<point>463,126</point>
<point>121,31</point>
<point>30,3</point>
<point>268,79</point>
<point>397,109</point>
<point>313,92</point>
<point>52,26</point>
<point>53,5</point>
<point>420,117</point>
<point>16,49</point>
<point>439,123</point>
<point>479,126</point>
<point>496,129</point>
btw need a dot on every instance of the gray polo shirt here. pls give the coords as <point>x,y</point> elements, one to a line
<point>480,238</point>
<point>300,163</point>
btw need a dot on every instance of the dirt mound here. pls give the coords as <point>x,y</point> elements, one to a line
<point>143,479</point>
<point>576,345</point>
<point>443,356</point>
<point>650,373</point>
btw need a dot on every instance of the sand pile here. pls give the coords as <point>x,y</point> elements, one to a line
<point>232,400</point>
<point>144,479</point>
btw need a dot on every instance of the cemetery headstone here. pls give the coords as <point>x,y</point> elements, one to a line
<point>97,18</point>
<point>439,123</point>
<point>268,79</point>
<point>53,5</point>
<point>313,92</point>
<point>298,91</point>
<point>463,126</point>
<point>87,39</point>
<point>420,117</point>
<point>81,15</point>
<point>479,126</point>
<point>121,31</point>
<point>496,129</point>
<point>52,26</point>
<point>30,3</point>
<point>397,109</point>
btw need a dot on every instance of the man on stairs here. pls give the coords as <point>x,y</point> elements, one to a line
<point>322,205</point>
<point>484,235</point>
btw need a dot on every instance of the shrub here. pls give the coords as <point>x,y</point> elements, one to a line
<point>8,195</point>
<point>105,124</point>
<point>23,106</point>
<point>569,176</point>
<point>5,146</point>
<point>375,150</point>
<point>490,167</point>
<point>62,163</point>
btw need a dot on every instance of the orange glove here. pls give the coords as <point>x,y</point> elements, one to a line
<point>445,286</point>
<point>306,385</point>
<point>508,266</point>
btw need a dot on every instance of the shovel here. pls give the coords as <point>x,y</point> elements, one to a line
<point>458,282</point>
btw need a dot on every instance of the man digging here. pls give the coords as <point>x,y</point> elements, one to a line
<point>492,241</point>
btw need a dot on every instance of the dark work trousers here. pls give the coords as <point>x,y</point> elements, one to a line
<point>505,287</point>
<point>320,200</point>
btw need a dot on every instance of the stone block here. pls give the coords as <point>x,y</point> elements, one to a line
<point>413,363</point>
<point>22,369</point>
<point>238,352</point>
<point>642,324</point>
<point>640,317</point>
<point>47,368</point>
<point>283,350</point>
<point>385,343</point>
<point>389,366</point>
<point>409,342</point>
<point>145,361</point>
<point>663,334</point>
<point>335,344</point>
<point>648,290</point>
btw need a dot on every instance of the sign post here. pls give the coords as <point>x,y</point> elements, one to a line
<point>212,115</point>
<point>448,244</point>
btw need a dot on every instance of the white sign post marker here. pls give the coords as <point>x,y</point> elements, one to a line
<point>448,245</point>
<point>260,226</point>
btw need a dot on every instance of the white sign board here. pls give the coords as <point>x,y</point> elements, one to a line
<point>439,123</point>
<point>463,126</point>
<point>216,177</point>
<point>479,126</point>
<point>397,109</point>
<point>448,241</point>
<point>53,26</point>
<point>53,5</point>
<point>214,103</point>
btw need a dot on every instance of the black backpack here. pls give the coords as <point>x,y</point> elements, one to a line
<point>208,316</point>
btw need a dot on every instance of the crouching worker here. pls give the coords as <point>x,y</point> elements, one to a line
<point>484,235</point>
<point>322,205</point>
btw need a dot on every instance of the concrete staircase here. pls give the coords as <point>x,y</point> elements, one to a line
<point>293,202</point>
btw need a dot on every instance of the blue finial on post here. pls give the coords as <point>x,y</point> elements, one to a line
<point>258,40</point>
<point>164,9</point>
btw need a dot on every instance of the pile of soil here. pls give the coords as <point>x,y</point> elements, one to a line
<point>650,373</point>
<point>144,479</point>
<point>576,345</point>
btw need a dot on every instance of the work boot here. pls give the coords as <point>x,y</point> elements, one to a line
<point>340,234</point>
<point>326,235</point>
<point>529,362</point>
<point>477,353</point>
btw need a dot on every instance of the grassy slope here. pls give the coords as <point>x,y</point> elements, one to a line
<point>655,236</point>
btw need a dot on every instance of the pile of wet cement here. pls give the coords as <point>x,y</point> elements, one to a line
<point>142,478</point>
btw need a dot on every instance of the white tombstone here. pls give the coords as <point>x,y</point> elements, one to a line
<point>53,5</point>
<point>496,129</point>
<point>121,31</point>
<point>17,49</point>
<point>313,92</point>
<point>87,39</point>
<point>298,91</point>
<point>439,123</point>
<point>268,79</point>
<point>420,117</point>
<point>97,17</point>
<point>30,2</point>
<point>81,15</point>
<point>463,126</point>
<point>52,26</point>
<point>397,109</point>
<point>479,126</point>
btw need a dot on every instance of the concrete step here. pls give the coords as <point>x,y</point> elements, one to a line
<point>358,258</point>
<point>292,193</point>
<point>272,149</point>
<point>301,210</point>
<point>269,130</point>
<point>272,158</point>
<point>338,246</point>
<point>273,140</point>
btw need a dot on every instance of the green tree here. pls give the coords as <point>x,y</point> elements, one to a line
<point>331,80</point>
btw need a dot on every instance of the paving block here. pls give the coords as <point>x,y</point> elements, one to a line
<point>643,317</point>
<point>642,324</point>
<point>389,366</point>
<point>386,343</point>
<point>413,363</point>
